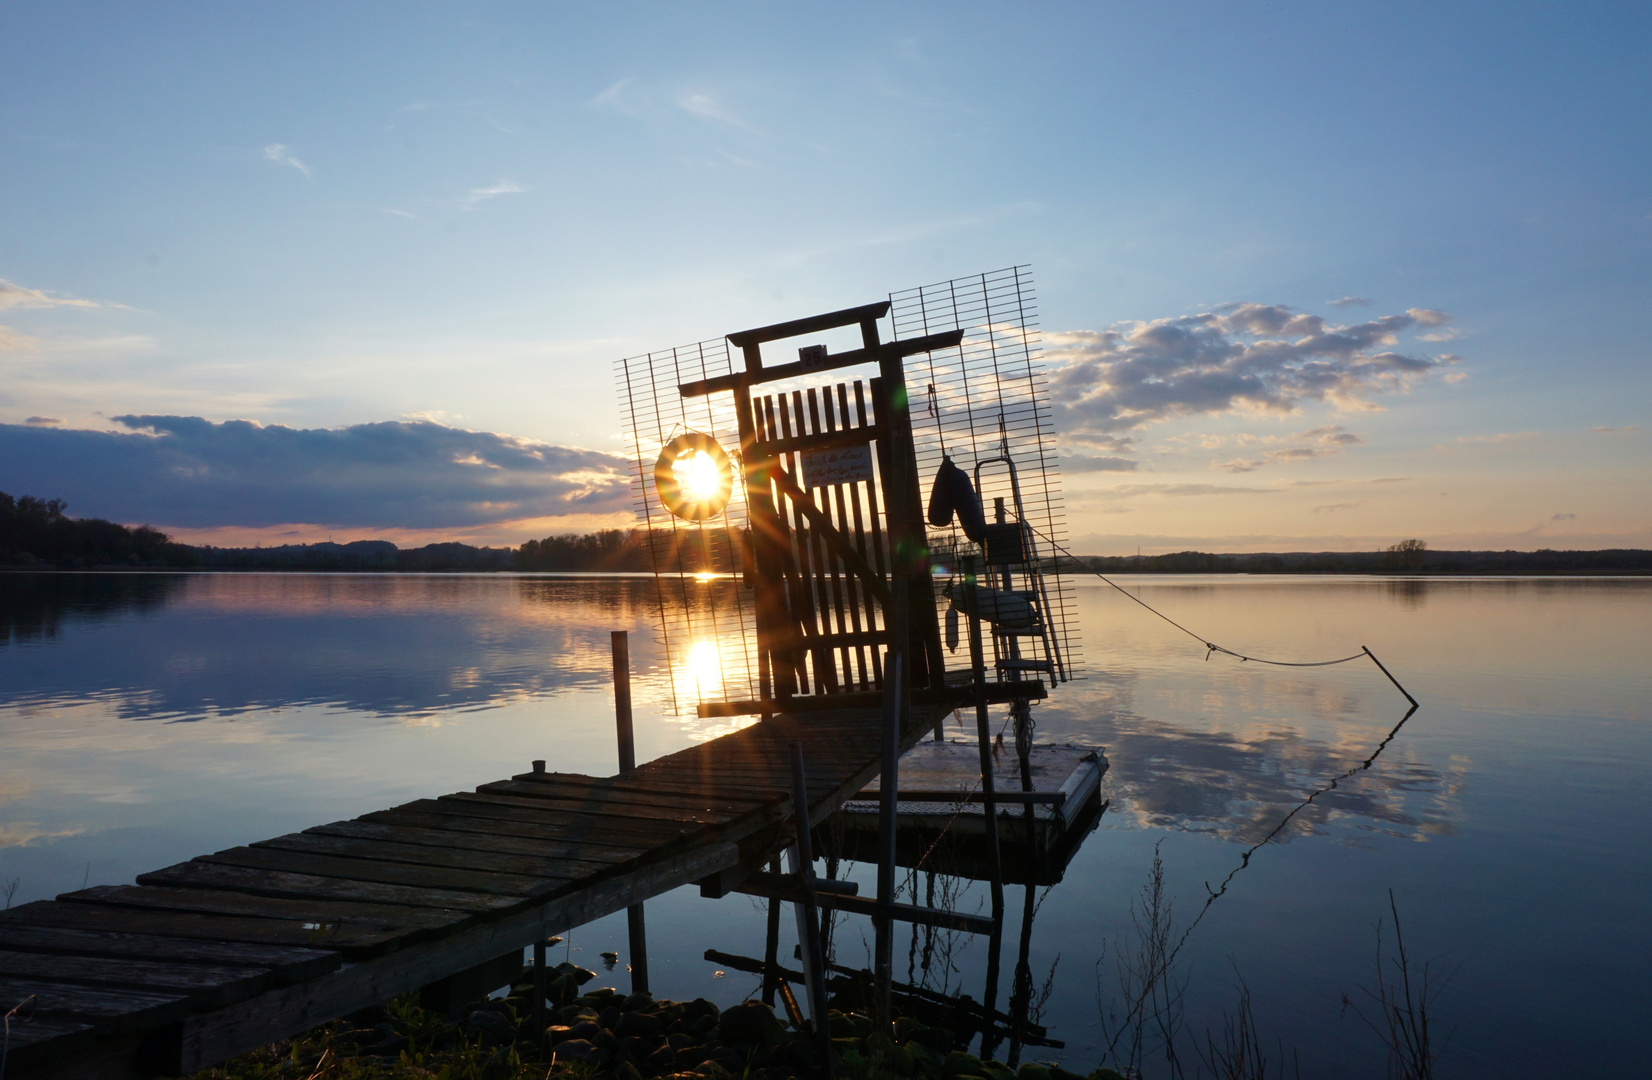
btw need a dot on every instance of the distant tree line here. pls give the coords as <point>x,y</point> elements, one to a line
<point>37,532</point>
<point>1408,556</point>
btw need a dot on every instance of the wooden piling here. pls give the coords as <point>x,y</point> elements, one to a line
<point>636,925</point>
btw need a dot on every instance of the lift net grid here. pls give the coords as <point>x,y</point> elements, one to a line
<point>703,615</point>
<point>977,400</point>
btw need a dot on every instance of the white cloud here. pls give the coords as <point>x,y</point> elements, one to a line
<point>1236,358</point>
<point>707,107</point>
<point>278,153</point>
<point>1350,301</point>
<point>470,199</point>
<point>13,295</point>
<point>1318,442</point>
<point>12,341</point>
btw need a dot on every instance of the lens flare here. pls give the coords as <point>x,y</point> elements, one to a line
<point>698,476</point>
<point>705,667</point>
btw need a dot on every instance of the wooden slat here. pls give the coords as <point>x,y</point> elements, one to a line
<point>638,794</point>
<point>480,842</point>
<point>664,824</point>
<point>208,986</point>
<point>27,1036</point>
<point>613,804</point>
<point>110,1009</point>
<point>288,964</point>
<point>437,816</point>
<point>300,909</point>
<point>341,935</point>
<point>380,872</point>
<point>259,882</point>
<point>742,801</point>
<point>649,833</point>
<point>424,855</point>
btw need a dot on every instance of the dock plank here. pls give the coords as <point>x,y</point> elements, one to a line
<point>378,871</point>
<point>262,882</point>
<point>111,1010</point>
<point>208,986</point>
<point>301,909</point>
<point>477,842</point>
<point>528,866</point>
<point>649,832</point>
<point>354,940</point>
<point>609,810</point>
<point>437,816</point>
<point>288,964</point>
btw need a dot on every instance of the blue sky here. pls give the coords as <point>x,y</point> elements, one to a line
<point>452,219</point>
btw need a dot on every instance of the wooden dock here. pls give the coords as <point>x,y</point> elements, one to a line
<point>217,956</point>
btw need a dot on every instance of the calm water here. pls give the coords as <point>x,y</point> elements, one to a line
<point>145,719</point>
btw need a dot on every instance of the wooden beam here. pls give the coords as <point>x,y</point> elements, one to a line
<point>814,323</point>
<point>997,694</point>
<point>944,795</point>
<point>212,1037</point>
<point>831,362</point>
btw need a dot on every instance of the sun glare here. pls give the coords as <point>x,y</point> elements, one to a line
<point>705,666</point>
<point>698,475</point>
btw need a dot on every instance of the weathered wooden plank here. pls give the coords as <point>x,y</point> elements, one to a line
<point>203,875</point>
<point>380,872</point>
<point>535,785</point>
<point>742,799</point>
<point>352,939</point>
<point>583,827</point>
<point>208,986</point>
<point>304,909</point>
<point>436,816</point>
<point>289,964</point>
<point>528,866</point>
<point>110,1009</point>
<point>610,811</point>
<point>483,843</point>
<point>27,1038</point>
<point>212,1037</point>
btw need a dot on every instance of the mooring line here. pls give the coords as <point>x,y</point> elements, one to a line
<point>1211,646</point>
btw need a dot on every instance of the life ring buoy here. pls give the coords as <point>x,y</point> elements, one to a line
<point>707,500</point>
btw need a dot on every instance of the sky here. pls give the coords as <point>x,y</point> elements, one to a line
<point>1310,277</point>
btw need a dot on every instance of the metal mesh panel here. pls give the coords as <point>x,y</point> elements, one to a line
<point>970,402</point>
<point>703,616</point>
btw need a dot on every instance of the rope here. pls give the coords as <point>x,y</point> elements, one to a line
<point>1210,646</point>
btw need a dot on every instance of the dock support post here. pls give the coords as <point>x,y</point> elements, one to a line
<point>540,989</point>
<point>771,944</point>
<point>621,640</point>
<point>989,802</point>
<point>801,856</point>
<point>894,694</point>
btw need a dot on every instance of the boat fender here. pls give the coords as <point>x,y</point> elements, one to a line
<point>952,492</point>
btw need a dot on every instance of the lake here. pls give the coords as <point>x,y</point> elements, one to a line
<point>148,718</point>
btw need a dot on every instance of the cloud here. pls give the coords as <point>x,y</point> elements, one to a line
<point>470,199</point>
<point>13,295</point>
<point>1239,357</point>
<point>1083,463</point>
<point>707,107</point>
<point>187,472</point>
<point>1331,508</point>
<point>12,341</point>
<point>278,153</point>
<point>1174,491</point>
<point>618,96</point>
<point>1564,517</point>
<point>42,421</point>
<point>1350,301</point>
<point>1610,430</point>
<point>1317,442</point>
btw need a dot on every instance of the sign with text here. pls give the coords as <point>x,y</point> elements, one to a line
<point>842,465</point>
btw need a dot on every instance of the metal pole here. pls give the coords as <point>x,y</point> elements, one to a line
<point>808,920</point>
<point>983,731</point>
<point>894,691</point>
<point>771,945</point>
<point>628,762</point>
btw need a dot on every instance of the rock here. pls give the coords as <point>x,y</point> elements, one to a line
<point>558,1033</point>
<point>582,1050</point>
<point>627,1071</point>
<point>745,1023</point>
<point>936,1039</point>
<point>680,1039</point>
<point>1106,1074</point>
<point>958,1063</point>
<point>610,1016</point>
<point>713,1071</point>
<point>489,1028</point>
<point>1058,1073</point>
<point>639,1000</point>
<point>699,1007</point>
<point>1031,1071</point>
<point>585,1029</point>
<point>639,1024</point>
<point>661,1060</point>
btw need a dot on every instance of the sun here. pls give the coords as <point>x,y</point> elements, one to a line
<point>698,476</point>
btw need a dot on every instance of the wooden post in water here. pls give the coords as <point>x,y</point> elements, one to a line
<point>894,694</point>
<point>627,762</point>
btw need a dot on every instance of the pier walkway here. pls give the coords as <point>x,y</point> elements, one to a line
<point>214,957</point>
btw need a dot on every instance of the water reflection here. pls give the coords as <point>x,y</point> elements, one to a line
<point>189,646</point>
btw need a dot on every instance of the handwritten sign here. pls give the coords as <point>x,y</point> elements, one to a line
<point>843,465</point>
